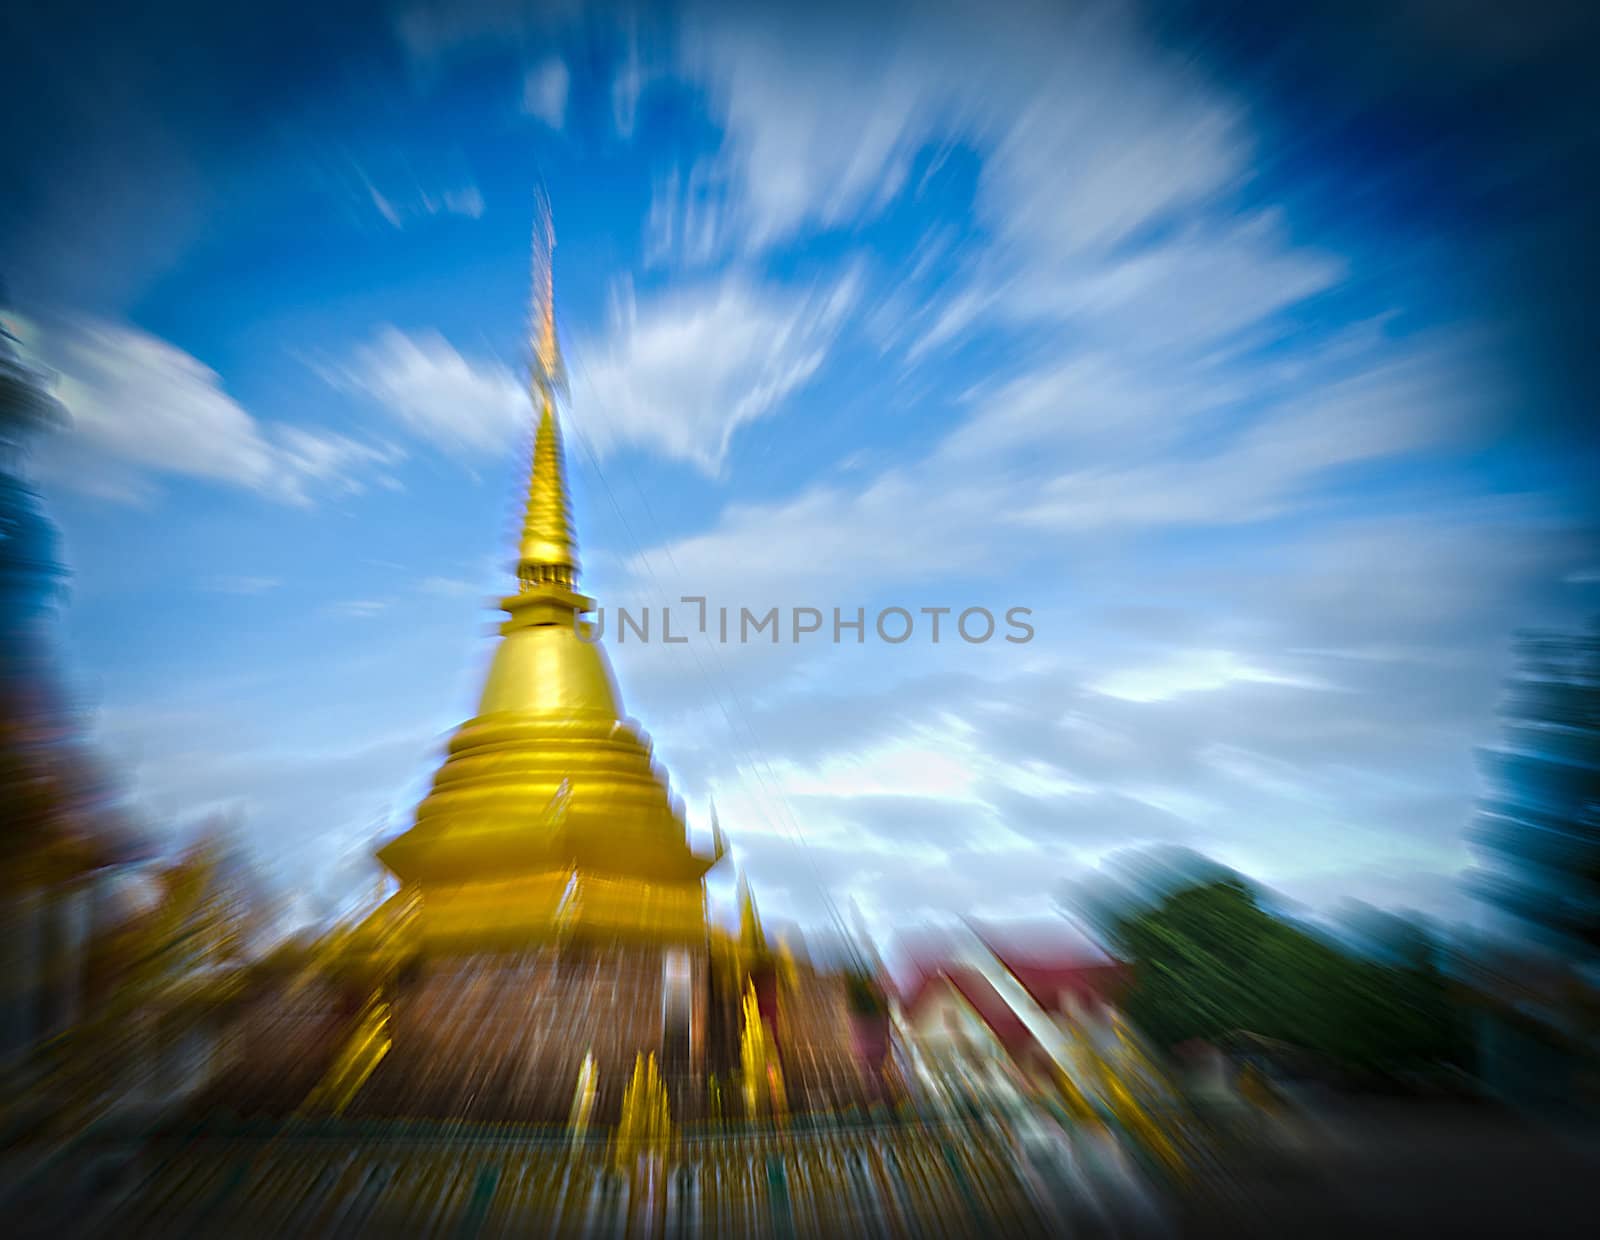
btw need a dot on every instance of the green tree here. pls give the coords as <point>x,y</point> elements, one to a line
<point>1209,961</point>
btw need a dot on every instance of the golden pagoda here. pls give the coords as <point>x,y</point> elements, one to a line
<point>549,818</point>
<point>550,925</point>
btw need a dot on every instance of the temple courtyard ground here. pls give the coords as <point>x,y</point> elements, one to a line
<point>1407,1168</point>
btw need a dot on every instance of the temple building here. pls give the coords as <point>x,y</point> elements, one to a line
<point>540,1028</point>
<point>1006,1018</point>
<point>549,900</point>
<point>547,949</point>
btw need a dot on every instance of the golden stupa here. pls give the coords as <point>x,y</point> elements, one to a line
<point>549,941</point>
<point>546,961</point>
<point>549,818</point>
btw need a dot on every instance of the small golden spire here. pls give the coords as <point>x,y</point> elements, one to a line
<point>548,554</point>
<point>758,1060</point>
<point>719,841</point>
<point>646,1123</point>
<point>583,1098</point>
<point>752,938</point>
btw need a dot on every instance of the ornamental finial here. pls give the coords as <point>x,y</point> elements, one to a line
<point>548,555</point>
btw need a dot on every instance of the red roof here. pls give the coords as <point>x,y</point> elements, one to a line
<point>996,1013</point>
<point>1050,959</point>
<point>982,997</point>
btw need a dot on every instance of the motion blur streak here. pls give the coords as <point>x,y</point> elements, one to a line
<point>1220,377</point>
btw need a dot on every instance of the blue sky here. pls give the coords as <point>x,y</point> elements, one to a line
<point>1240,352</point>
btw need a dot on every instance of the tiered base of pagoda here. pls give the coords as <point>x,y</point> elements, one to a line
<point>503,1037</point>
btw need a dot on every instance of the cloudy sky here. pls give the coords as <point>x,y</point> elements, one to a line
<point>1248,353</point>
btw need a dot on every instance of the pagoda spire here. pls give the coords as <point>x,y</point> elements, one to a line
<point>548,553</point>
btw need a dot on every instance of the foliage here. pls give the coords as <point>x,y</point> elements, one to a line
<point>1210,962</point>
<point>865,996</point>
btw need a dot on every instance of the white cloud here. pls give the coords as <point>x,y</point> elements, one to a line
<point>1086,133</point>
<point>1107,141</point>
<point>1212,738</point>
<point>1167,300</point>
<point>467,201</point>
<point>544,92</point>
<point>627,85</point>
<point>1190,671</point>
<point>1402,402</point>
<point>466,405</point>
<point>387,209</point>
<point>143,408</point>
<point>685,223</point>
<point>935,764</point>
<point>681,372</point>
<point>405,200</point>
<point>678,373</point>
<point>819,124</point>
<point>1088,449</point>
<point>1085,407</point>
<point>831,541</point>
<point>1291,765</point>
